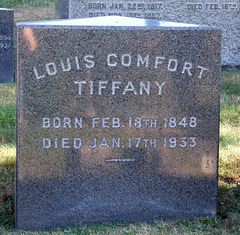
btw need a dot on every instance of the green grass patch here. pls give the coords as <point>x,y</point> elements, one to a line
<point>229,162</point>
<point>230,109</point>
<point>7,152</point>
<point>229,140</point>
<point>231,83</point>
<point>34,3</point>
<point>230,99</point>
<point>7,113</point>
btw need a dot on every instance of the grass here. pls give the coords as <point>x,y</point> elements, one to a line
<point>30,10</point>
<point>7,113</point>
<point>227,220</point>
<point>7,152</point>
<point>16,3</point>
<point>230,128</point>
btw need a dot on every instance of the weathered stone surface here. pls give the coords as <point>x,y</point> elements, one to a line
<point>221,13</point>
<point>6,45</point>
<point>118,121</point>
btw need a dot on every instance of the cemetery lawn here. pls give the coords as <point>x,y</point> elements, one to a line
<point>30,10</point>
<point>228,217</point>
<point>17,3</point>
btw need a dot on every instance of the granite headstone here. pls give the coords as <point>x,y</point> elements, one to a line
<point>118,121</point>
<point>224,14</point>
<point>6,45</point>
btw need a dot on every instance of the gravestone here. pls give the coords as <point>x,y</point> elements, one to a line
<point>221,13</point>
<point>62,9</point>
<point>118,121</point>
<point>6,45</point>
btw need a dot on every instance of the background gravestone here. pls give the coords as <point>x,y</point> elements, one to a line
<point>221,13</point>
<point>6,45</point>
<point>62,9</point>
<point>118,121</point>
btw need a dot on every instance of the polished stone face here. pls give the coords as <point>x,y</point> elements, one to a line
<point>116,123</point>
<point>221,13</point>
<point>6,45</point>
